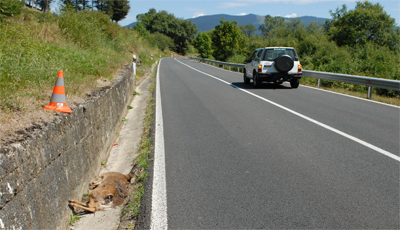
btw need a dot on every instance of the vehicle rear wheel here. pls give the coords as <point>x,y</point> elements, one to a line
<point>294,83</point>
<point>256,81</point>
<point>245,79</point>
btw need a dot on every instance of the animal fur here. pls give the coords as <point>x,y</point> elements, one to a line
<point>109,191</point>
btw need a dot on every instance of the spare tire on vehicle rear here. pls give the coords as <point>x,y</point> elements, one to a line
<point>284,63</point>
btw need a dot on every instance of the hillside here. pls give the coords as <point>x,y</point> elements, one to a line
<point>87,46</point>
<point>209,22</point>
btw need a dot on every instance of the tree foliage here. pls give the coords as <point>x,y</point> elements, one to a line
<point>115,9</point>
<point>203,44</point>
<point>248,30</point>
<point>181,31</point>
<point>120,9</point>
<point>42,5</point>
<point>162,41</point>
<point>72,4</point>
<point>10,8</point>
<point>366,23</point>
<point>228,40</point>
<point>270,24</point>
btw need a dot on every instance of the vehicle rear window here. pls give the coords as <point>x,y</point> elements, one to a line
<point>271,54</point>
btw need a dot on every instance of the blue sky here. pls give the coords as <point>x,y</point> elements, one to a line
<point>192,8</point>
<point>287,8</point>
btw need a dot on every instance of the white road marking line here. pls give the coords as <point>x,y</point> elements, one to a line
<point>159,218</point>
<point>346,95</point>
<point>382,151</point>
<point>310,87</point>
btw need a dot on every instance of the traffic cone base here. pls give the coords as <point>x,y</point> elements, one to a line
<point>58,107</point>
<point>58,101</point>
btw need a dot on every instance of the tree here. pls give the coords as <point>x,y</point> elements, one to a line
<point>141,29</point>
<point>163,41</point>
<point>116,9</point>
<point>120,9</point>
<point>270,24</point>
<point>181,31</point>
<point>103,5</point>
<point>249,30</point>
<point>366,23</point>
<point>45,5</point>
<point>73,4</point>
<point>228,40</point>
<point>203,44</point>
<point>85,4</point>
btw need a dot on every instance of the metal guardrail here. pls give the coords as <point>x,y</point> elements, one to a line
<point>359,80</point>
<point>219,63</point>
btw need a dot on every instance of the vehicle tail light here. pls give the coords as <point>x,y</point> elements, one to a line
<point>259,68</point>
<point>299,69</point>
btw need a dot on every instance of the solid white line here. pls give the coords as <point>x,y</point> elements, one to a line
<point>311,87</point>
<point>346,95</point>
<point>382,151</point>
<point>159,218</point>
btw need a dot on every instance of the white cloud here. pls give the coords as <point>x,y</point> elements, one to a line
<point>241,3</point>
<point>196,15</point>
<point>233,4</point>
<point>242,14</point>
<point>291,16</point>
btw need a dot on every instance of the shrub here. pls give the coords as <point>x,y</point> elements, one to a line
<point>163,42</point>
<point>10,8</point>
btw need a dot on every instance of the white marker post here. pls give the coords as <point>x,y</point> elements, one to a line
<point>134,65</point>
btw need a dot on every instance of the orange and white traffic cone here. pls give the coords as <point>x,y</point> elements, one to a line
<point>58,101</point>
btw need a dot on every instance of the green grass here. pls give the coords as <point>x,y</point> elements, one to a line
<point>86,46</point>
<point>145,146</point>
<point>74,218</point>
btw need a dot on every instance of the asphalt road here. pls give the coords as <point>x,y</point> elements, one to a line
<point>275,157</point>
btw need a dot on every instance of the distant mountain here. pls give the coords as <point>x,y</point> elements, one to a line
<point>209,22</point>
<point>130,26</point>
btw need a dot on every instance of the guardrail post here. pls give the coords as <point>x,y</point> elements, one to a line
<point>319,83</point>
<point>369,92</point>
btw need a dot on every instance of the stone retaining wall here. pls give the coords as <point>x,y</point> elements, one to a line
<point>39,175</point>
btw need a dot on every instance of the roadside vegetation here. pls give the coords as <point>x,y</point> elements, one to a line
<point>86,45</point>
<point>132,207</point>
<point>363,41</point>
<point>167,31</point>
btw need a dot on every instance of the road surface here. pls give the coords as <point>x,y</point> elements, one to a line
<point>275,157</point>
